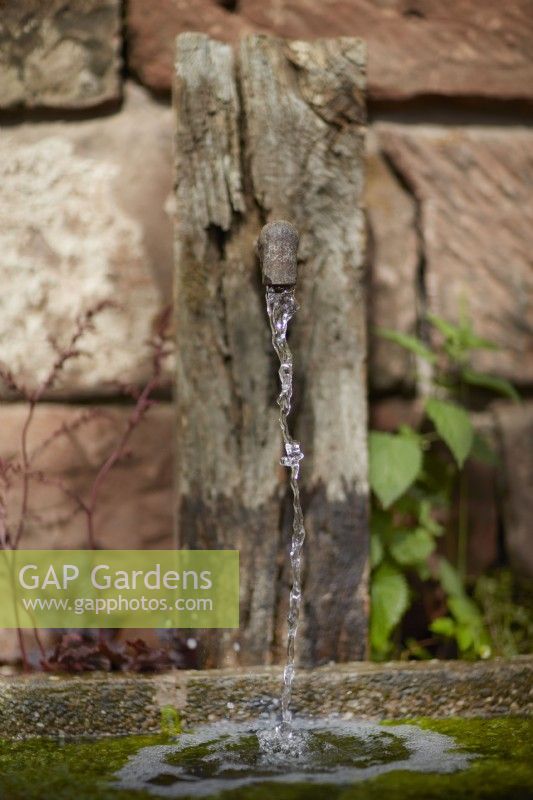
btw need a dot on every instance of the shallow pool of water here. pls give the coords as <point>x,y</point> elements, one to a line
<point>341,760</point>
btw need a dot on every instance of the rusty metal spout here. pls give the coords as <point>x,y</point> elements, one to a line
<point>278,248</point>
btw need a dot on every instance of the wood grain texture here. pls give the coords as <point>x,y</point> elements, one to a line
<point>279,134</point>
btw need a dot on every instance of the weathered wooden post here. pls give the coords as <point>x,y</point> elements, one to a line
<point>273,132</point>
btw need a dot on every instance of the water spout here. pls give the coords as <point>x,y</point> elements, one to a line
<point>278,248</point>
<point>278,245</point>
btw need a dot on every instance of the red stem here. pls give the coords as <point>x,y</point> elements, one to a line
<point>25,475</point>
<point>33,398</point>
<point>136,416</point>
<point>39,643</point>
<point>23,653</point>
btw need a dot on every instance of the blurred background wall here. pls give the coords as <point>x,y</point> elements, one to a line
<point>86,215</point>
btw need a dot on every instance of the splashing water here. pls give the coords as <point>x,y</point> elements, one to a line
<point>225,756</point>
<point>281,307</point>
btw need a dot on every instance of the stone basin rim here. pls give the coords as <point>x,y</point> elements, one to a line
<point>103,704</point>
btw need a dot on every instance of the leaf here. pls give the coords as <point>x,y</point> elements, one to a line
<point>395,462</point>
<point>464,610</point>
<point>389,601</point>
<point>409,433</point>
<point>416,650</point>
<point>468,626</point>
<point>448,330</point>
<point>423,572</point>
<point>443,626</point>
<point>412,547</point>
<point>473,342</point>
<point>381,524</point>
<point>462,336</point>
<point>453,425</point>
<point>376,550</point>
<point>482,450</point>
<point>471,634</point>
<point>498,385</point>
<point>450,579</point>
<point>426,520</point>
<point>408,342</point>
<point>465,637</point>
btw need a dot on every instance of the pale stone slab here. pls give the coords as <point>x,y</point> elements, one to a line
<point>82,221</point>
<point>59,53</point>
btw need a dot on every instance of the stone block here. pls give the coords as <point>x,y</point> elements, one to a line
<point>84,221</point>
<point>60,53</point>
<point>515,428</point>
<point>418,48</point>
<point>134,509</point>
<point>473,187</point>
<point>393,259</point>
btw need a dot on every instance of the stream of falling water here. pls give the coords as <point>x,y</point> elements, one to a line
<point>281,307</point>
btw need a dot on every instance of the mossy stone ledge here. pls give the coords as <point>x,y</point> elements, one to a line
<point>99,704</point>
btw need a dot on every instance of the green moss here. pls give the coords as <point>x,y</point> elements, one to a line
<point>504,770</point>
<point>42,768</point>
<point>39,769</point>
<point>170,721</point>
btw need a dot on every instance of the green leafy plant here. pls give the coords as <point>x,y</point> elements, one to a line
<point>414,475</point>
<point>465,622</point>
<point>506,603</point>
